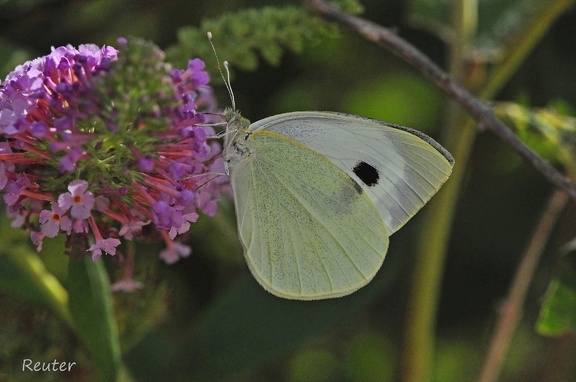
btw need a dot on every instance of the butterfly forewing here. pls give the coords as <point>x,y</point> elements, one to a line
<point>400,169</point>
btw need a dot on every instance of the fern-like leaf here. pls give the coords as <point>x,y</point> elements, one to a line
<point>244,36</point>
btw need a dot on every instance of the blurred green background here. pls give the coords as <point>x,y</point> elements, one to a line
<point>206,318</point>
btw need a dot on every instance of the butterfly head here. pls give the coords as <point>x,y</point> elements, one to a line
<point>235,122</point>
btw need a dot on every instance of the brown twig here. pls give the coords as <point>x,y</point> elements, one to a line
<point>475,107</point>
<point>511,310</point>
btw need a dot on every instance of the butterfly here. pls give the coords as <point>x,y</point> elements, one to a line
<point>318,194</point>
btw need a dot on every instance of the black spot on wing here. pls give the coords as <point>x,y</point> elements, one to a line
<point>367,174</point>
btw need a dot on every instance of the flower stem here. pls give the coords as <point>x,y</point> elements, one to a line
<point>423,303</point>
<point>511,310</point>
<point>432,244</point>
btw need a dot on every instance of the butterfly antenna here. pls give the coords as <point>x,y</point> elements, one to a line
<point>227,78</point>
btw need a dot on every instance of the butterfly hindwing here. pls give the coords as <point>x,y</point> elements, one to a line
<point>309,230</point>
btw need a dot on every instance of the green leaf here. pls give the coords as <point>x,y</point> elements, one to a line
<point>546,131</point>
<point>91,307</point>
<point>558,311</point>
<point>248,327</point>
<point>244,36</point>
<point>23,273</point>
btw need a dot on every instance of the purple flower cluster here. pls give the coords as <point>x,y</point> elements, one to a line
<point>105,141</point>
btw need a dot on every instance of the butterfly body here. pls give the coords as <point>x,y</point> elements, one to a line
<point>318,194</point>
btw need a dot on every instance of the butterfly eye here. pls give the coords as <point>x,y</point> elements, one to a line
<point>367,174</point>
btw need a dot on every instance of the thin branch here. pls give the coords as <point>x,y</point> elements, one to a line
<point>511,309</point>
<point>475,107</point>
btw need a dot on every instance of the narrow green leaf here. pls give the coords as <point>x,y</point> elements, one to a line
<point>558,312</point>
<point>91,307</point>
<point>23,273</point>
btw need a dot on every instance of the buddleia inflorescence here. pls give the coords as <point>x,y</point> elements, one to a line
<point>101,142</point>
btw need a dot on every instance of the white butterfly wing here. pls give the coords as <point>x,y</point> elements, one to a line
<point>399,168</point>
<point>309,231</point>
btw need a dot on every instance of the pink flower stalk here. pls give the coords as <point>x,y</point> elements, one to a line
<point>174,251</point>
<point>105,141</point>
